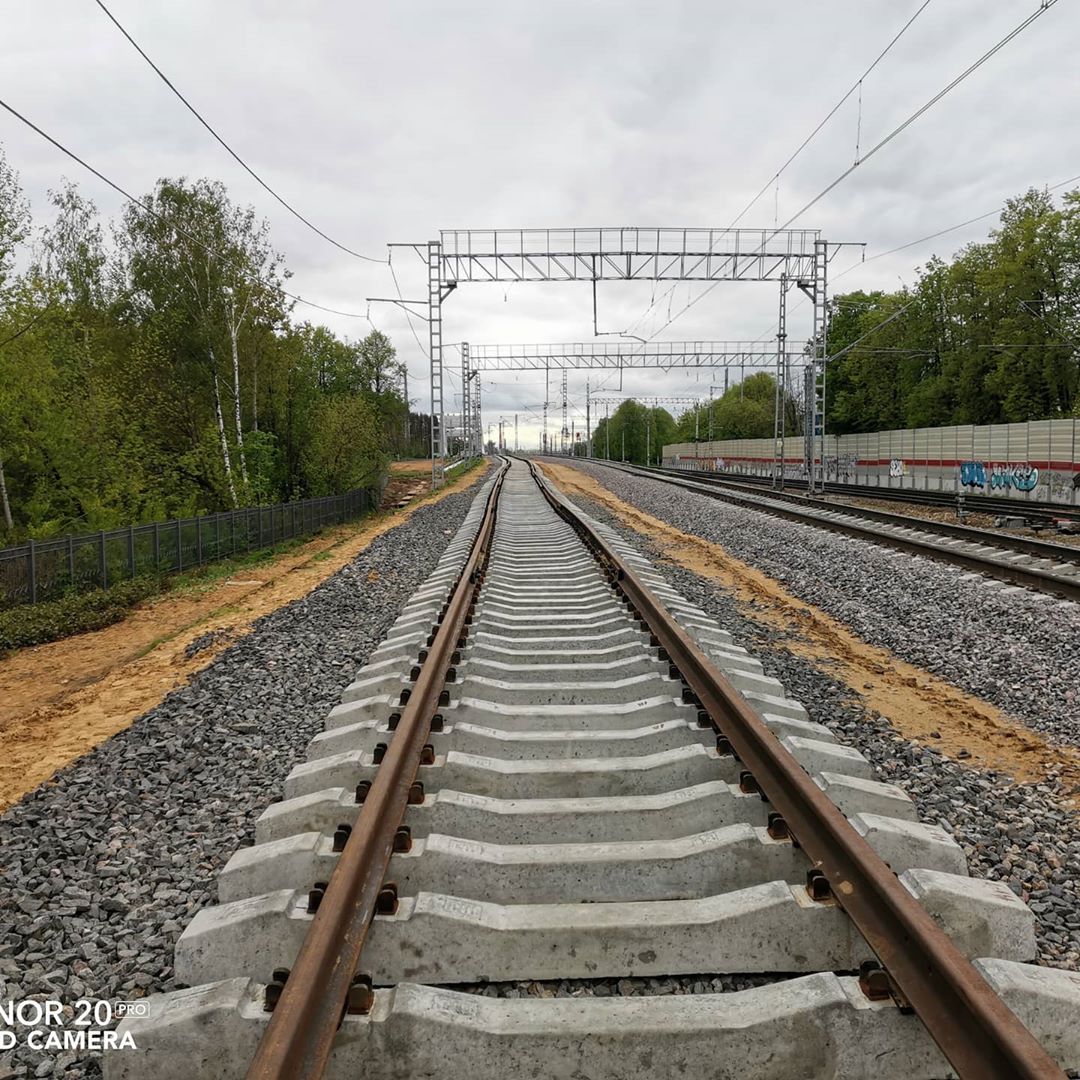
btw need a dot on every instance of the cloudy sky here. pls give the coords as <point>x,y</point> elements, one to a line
<point>392,121</point>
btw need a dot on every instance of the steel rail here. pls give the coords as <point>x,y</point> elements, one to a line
<point>1041,580</point>
<point>1027,545</point>
<point>973,504</point>
<point>321,986</point>
<point>981,1037</point>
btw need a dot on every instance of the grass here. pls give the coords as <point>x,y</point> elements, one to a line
<point>93,609</point>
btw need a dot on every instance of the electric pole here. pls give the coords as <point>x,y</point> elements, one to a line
<point>588,423</point>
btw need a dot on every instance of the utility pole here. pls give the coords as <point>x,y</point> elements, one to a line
<point>478,426</point>
<point>607,434</point>
<point>780,405</point>
<point>465,406</point>
<point>515,433</point>
<point>547,379</point>
<point>405,395</point>
<point>648,432</point>
<point>565,433</point>
<point>624,442</point>
<point>588,423</point>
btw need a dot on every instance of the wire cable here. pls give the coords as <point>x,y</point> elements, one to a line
<point>408,314</point>
<point>235,156</point>
<point>943,232</point>
<point>150,210</point>
<point>1044,6</point>
<point>775,178</point>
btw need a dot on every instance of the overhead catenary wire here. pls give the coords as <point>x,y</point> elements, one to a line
<point>774,180</point>
<point>945,231</point>
<point>143,205</point>
<point>232,153</point>
<point>1044,6</point>
<point>408,314</point>
<point>915,243</point>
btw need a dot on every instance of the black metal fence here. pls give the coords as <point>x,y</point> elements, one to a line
<point>43,569</point>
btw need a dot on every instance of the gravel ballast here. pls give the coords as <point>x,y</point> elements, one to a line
<point>1021,834</point>
<point>105,865</point>
<point>1018,649</point>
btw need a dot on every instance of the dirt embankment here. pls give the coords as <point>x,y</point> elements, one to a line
<point>58,701</point>
<point>919,705</point>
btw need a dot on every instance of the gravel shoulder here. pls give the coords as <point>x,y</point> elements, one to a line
<point>1025,835</point>
<point>58,701</point>
<point>1017,649</point>
<point>106,864</point>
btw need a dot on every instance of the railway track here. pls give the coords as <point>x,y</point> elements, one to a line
<point>1020,560</point>
<point>1040,513</point>
<point>555,768</point>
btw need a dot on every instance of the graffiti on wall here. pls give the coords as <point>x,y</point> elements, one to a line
<point>1063,484</point>
<point>1022,477</point>
<point>896,468</point>
<point>841,468</point>
<point>1019,476</point>
<point>972,474</point>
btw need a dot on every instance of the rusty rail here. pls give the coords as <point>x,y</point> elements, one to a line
<point>976,1031</point>
<point>322,984</point>
<point>1047,581</point>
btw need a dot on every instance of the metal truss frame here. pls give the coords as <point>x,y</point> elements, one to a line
<point>816,288</point>
<point>627,254</point>
<point>650,401</point>
<point>613,355</point>
<point>622,254</point>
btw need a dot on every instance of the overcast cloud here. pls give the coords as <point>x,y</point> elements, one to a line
<point>388,122</point>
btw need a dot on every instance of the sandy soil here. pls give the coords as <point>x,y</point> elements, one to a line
<point>413,465</point>
<point>918,704</point>
<point>58,701</point>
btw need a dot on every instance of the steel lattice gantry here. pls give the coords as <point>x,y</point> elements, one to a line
<point>613,355</point>
<point>627,254</point>
<point>615,254</point>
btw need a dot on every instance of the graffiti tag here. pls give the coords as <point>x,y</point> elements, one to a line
<point>841,467</point>
<point>896,468</point>
<point>973,474</point>
<point>1022,477</point>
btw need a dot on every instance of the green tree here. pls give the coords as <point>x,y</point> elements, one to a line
<point>344,449</point>
<point>634,433</point>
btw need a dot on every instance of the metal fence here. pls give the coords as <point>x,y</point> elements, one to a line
<point>44,569</point>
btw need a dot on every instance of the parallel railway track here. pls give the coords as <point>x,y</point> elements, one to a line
<point>554,767</point>
<point>1033,510</point>
<point>1021,560</point>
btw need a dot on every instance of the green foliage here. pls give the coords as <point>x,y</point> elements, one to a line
<point>634,433</point>
<point>745,411</point>
<point>343,449</point>
<point>14,219</point>
<point>987,338</point>
<point>75,613</point>
<point>161,374</point>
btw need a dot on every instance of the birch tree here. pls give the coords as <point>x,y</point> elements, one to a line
<point>14,224</point>
<point>201,268</point>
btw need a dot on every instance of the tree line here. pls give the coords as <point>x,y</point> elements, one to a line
<point>162,373</point>
<point>638,433</point>
<point>989,336</point>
